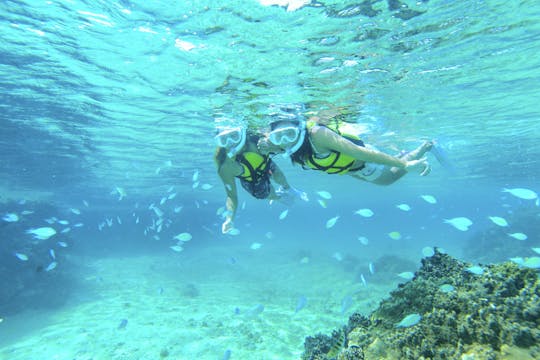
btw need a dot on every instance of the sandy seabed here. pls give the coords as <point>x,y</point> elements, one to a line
<point>190,306</point>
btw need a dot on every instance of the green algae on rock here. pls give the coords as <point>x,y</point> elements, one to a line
<point>495,315</point>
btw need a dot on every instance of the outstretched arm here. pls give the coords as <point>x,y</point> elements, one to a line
<point>279,177</point>
<point>326,140</point>
<point>226,174</point>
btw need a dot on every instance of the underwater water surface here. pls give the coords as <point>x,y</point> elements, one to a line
<point>107,124</point>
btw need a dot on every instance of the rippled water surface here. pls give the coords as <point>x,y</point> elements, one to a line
<point>96,93</point>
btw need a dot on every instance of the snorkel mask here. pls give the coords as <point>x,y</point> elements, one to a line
<point>288,131</point>
<point>232,139</point>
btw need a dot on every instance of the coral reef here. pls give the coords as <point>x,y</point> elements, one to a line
<point>495,315</point>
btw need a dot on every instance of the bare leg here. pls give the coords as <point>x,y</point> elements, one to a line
<point>392,174</point>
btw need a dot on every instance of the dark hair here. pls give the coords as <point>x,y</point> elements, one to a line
<point>299,155</point>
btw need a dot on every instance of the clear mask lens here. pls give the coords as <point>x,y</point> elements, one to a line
<point>285,135</point>
<point>228,138</point>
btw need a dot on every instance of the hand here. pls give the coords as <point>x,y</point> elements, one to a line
<point>227,225</point>
<point>287,196</point>
<point>420,165</point>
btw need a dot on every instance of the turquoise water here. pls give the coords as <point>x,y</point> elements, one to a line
<point>99,96</point>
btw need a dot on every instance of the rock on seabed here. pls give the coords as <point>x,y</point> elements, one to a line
<point>492,316</point>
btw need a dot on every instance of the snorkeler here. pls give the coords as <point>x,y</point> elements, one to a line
<point>237,156</point>
<point>325,148</point>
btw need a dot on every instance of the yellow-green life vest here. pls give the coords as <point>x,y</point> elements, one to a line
<point>335,162</point>
<point>254,165</point>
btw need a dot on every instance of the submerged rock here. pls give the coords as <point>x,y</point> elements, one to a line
<point>495,315</point>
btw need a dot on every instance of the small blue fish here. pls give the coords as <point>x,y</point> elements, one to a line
<point>11,217</point>
<point>409,320</point>
<point>123,324</point>
<point>371,268</point>
<point>363,279</point>
<point>346,303</point>
<point>300,304</point>
<point>226,355</point>
<point>476,270</point>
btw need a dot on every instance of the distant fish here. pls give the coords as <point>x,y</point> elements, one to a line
<point>283,214</point>
<point>446,288</point>
<point>300,304</point>
<point>42,233</point>
<point>118,220</point>
<point>157,211</point>
<point>27,212</point>
<point>226,355</point>
<point>363,279</point>
<point>75,211</point>
<point>428,251</point>
<point>536,250</point>
<point>476,270</point>
<point>206,186</point>
<point>255,246</point>
<point>346,303</point>
<point>63,222</point>
<point>185,236</point>
<point>331,222</point>
<point>233,231</point>
<point>532,262</point>
<point>460,223</point>
<point>322,203</point>
<point>85,203</point>
<point>10,217</point>
<point>121,193</point>
<point>364,212</point>
<point>177,248</point>
<point>324,194</point>
<point>177,209</point>
<point>429,198</point>
<point>522,193</point>
<point>395,235</point>
<point>195,176</point>
<point>409,320</point>
<point>163,200</point>
<point>407,275</point>
<point>499,221</point>
<point>195,185</point>
<point>21,256</point>
<point>123,324</point>
<point>338,256</point>
<point>52,254</point>
<point>51,266</point>
<point>78,225</point>
<point>518,260</point>
<point>62,244</point>
<point>518,236</point>
<point>403,207</point>
<point>371,268</point>
<point>363,240</point>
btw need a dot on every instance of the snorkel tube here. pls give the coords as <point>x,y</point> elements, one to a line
<point>234,150</point>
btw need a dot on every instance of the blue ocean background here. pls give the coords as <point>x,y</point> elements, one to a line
<point>108,107</point>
